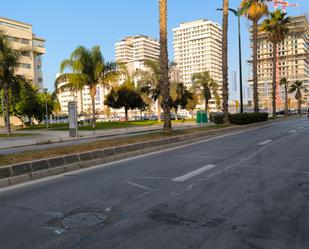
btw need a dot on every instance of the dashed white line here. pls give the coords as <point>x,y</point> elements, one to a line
<point>300,128</point>
<point>292,131</point>
<point>138,186</point>
<point>193,173</point>
<point>266,142</point>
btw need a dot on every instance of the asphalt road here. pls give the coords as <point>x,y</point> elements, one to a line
<point>244,191</point>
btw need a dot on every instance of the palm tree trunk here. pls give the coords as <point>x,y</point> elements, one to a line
<point>206,105</point>
<point>2,106</point>
<point>286,99</point>
<point>7,110</point>
<point>164,78</point>
<point>254,66</point>
<point>274,95</point>
<point>93,92</point>
<point>299,107</point>
<point>126,114</point>
<point>225,89</point>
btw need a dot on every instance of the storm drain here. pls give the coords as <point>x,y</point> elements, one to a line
<point>83,219</point>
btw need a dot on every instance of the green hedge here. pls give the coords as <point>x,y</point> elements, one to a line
<point>243,118</point>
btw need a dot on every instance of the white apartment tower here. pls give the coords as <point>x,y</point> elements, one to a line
<point>134,50</point>
<point>197,48</point>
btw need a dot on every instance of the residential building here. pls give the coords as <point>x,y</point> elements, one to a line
<point>23,39</point>
<point>134,50</point>
<point>293,62</point>
<point>198,48</point>
<point>82,98</point>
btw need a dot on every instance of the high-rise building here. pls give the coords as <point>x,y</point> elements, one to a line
<point>22,38</point>
<point>197,48</point>
<point>82,98</point>
<point>134,50</point>
<point>293,62</point>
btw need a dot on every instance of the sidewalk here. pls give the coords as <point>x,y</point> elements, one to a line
<point>44,139</point>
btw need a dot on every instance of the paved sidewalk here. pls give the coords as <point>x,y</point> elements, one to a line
<point>44,139</point>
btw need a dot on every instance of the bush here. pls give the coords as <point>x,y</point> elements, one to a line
<point>243,118</point>
<point>217,119</point>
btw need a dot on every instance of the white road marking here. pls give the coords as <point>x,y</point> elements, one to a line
<point>139,186</point>
<point>266,142</point>
<point>292,131</point>
<point>193,173</point>
<point>300,128</point>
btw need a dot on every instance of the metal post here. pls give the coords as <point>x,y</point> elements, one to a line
<point>46,107</point>
<point>240,69</point>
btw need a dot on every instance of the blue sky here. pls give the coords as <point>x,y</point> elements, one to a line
<point>67,24</point>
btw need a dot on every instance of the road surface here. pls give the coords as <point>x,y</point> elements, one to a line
<point>248,190</point>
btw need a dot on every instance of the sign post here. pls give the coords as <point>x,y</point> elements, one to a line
<point>73,126</point>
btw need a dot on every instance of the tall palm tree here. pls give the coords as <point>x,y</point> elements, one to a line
<point>149,80</point>
<point>9,59</point>
<point>254,10</point>
<point>284,82</point>
<point>276,28</point>
<point>89,69</point>
<point>225,87</point>
<point>297,88</point>
<point>206,85</point>
<point>164,77</point>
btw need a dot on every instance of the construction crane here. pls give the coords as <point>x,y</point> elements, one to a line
<point>283,4</point>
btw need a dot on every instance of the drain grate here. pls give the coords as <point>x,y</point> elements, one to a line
<point>83,219</point>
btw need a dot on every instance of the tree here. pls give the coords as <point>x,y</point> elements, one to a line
<point>9,59</point>
<point>254,10</point>
<point>89,69</point>
<point>149,82</point>
<point>284,82</point>
<point>225,87</point>
<point>125,97</point>
<point>297,88</point>
<point>164,72</point>
<point>205,85</point>
<point>276,28</point>
<point>180,96</point>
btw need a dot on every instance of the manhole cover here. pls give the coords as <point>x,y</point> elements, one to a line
<point>84,219</point>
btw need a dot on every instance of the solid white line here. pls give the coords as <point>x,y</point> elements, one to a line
<point>138,185</point>
<point>266,142</point>
<point>193,173</point>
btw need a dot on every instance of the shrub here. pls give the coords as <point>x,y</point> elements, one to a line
<point>217,119</point>
<point>248,118</point>
<point>243,118</point>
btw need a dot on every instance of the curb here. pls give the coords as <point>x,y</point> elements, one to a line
<point>28,171</point>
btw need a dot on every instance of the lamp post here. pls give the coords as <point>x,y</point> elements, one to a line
<point>237,14</point>
<point>46,107</point>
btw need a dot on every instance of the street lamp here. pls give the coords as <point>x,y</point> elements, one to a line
<point>46,109</point>
<point>237,14</point>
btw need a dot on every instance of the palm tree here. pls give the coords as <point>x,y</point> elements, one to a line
<point>164,77</point>
<point>225,87</point>
<point>9,59</point>
<point>298,87</point>
<point>254,10</point>
<point>205,85</point>
<point>284,82</point>
<point>276,28</point>
<point>89,69</point>
<point>149,80</point>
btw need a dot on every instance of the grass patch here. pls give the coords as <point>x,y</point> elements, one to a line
<point>102,125</point>
<point>53,152</point>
